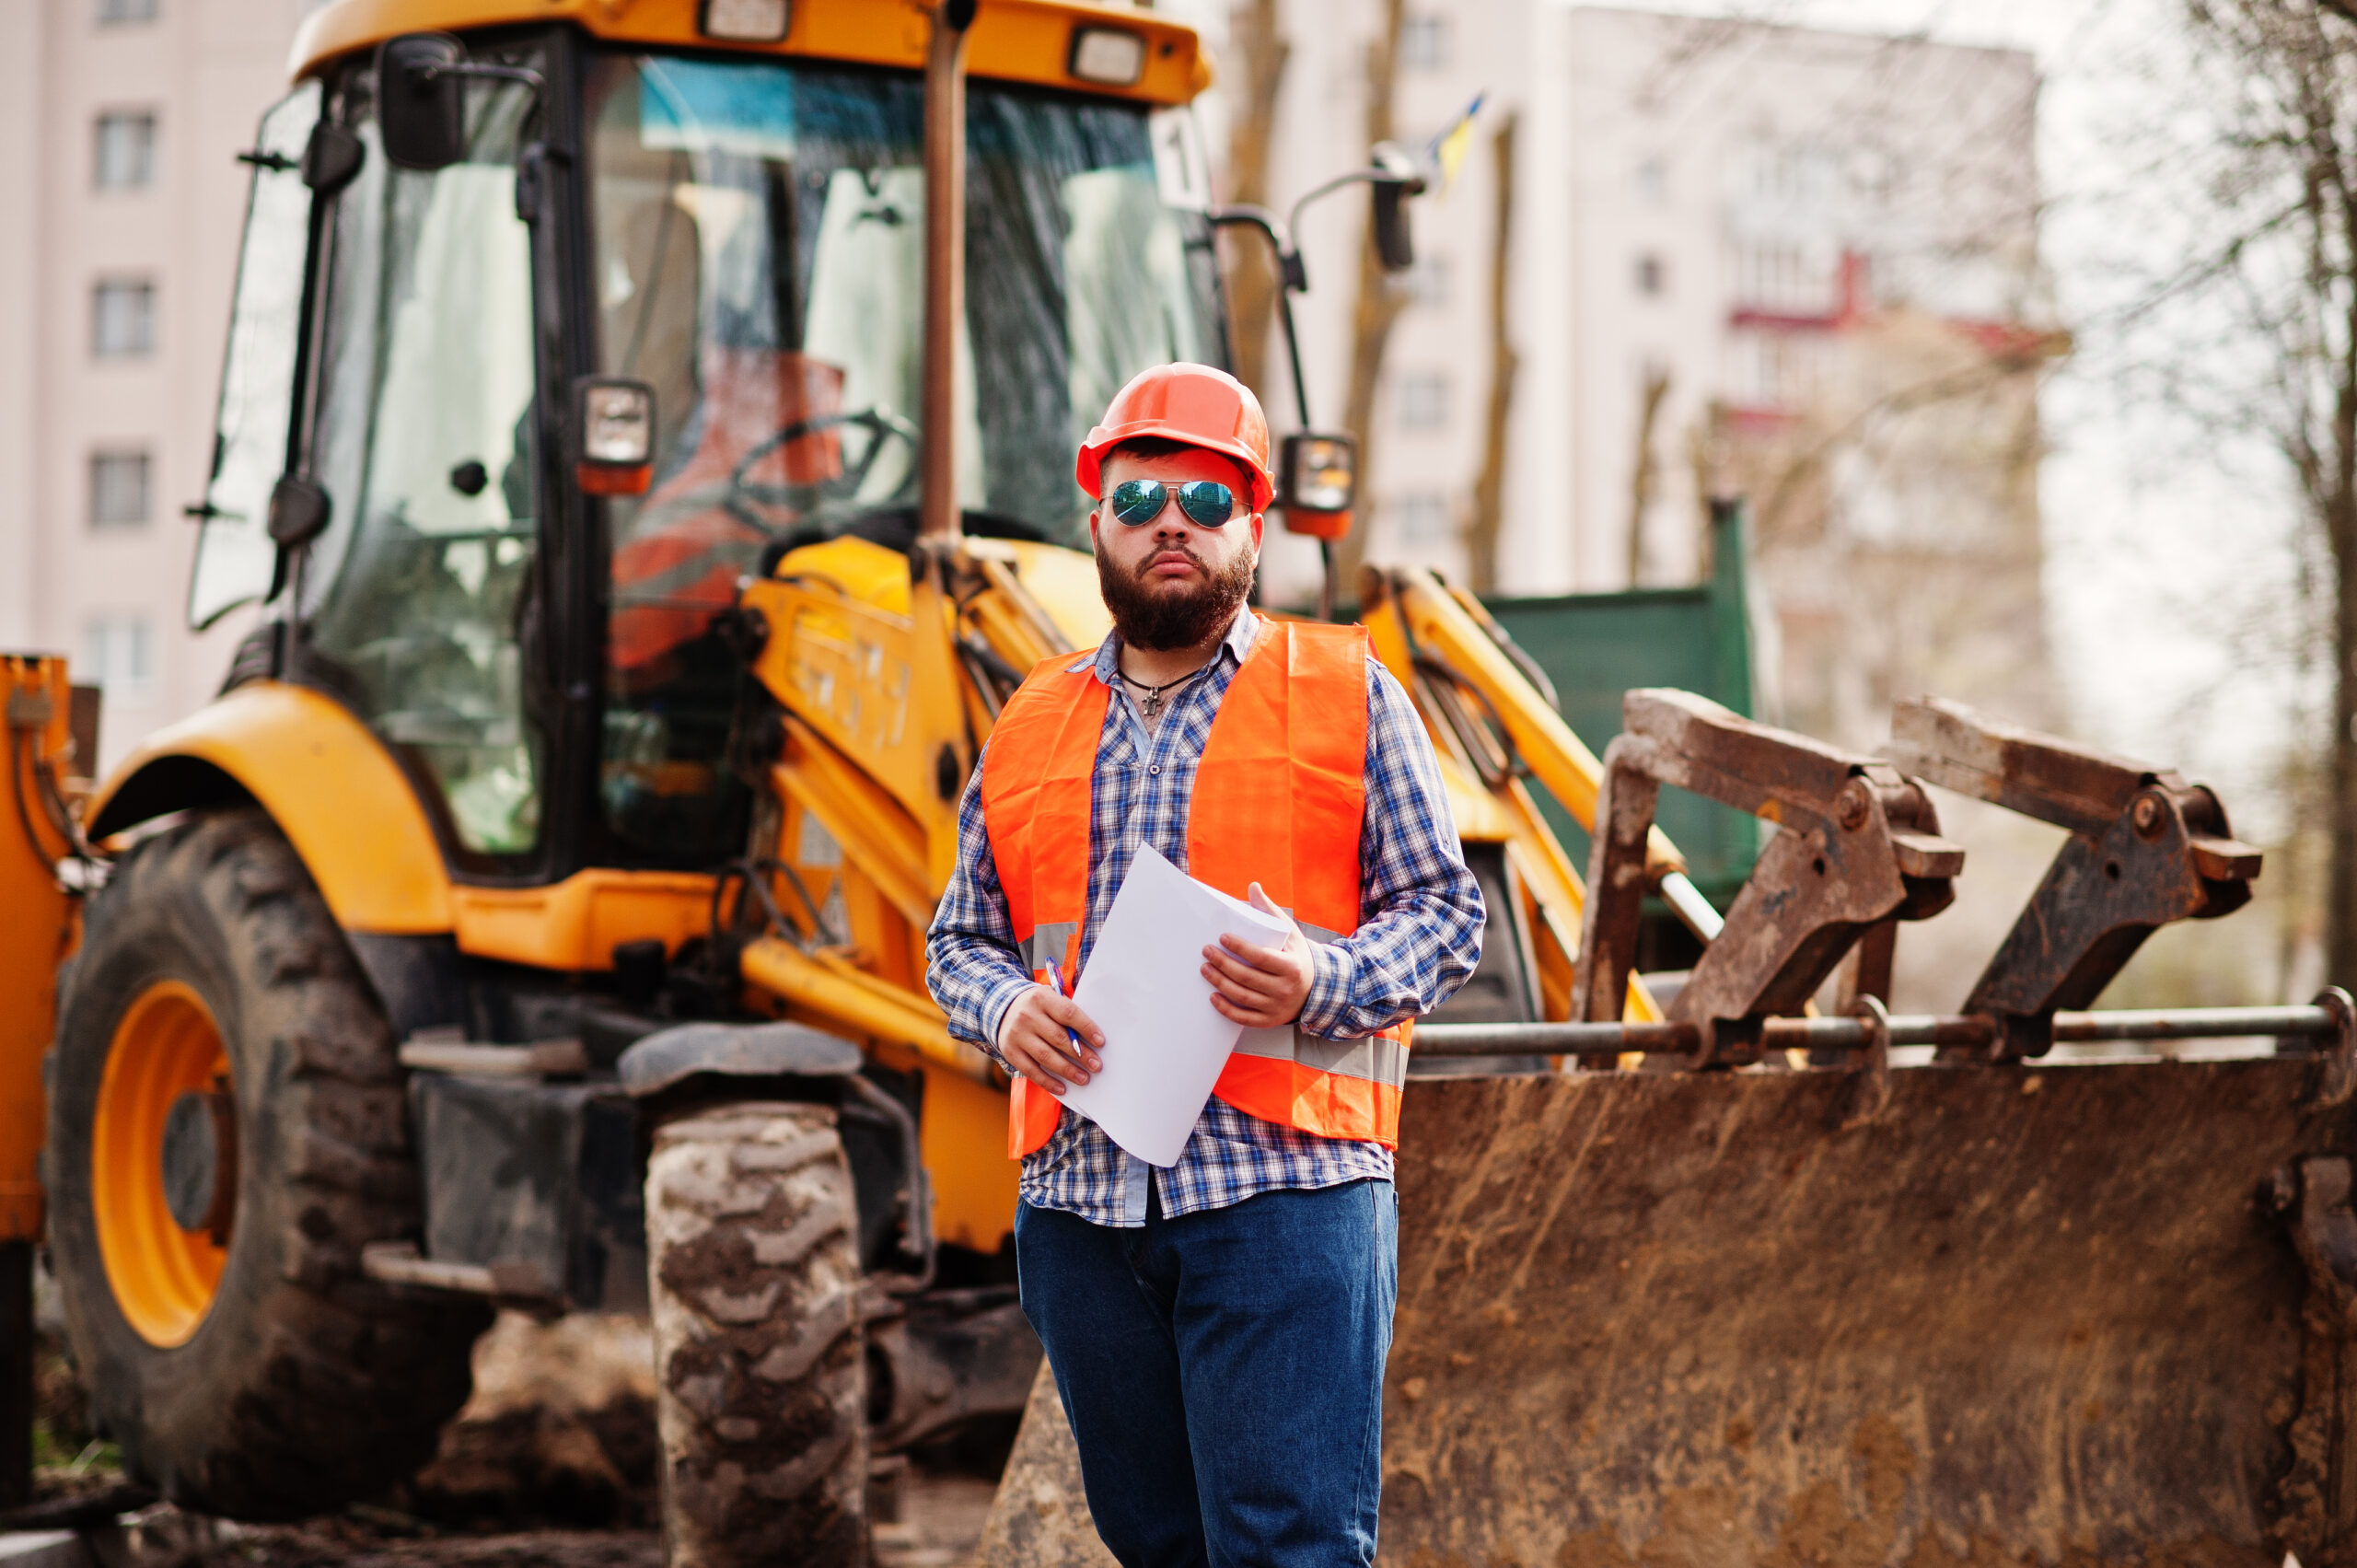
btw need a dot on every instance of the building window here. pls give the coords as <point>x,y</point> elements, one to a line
<point>1786,277</point>
<point>118,489</point>
<point>1776,370</point>
<point>1428,280</point>
<point>1424,41</point>
<point>126,151</point>
<point>1423,401</point>
<point>1421,519</point>
<point>119,654</point>
<point>122,319</point>
<point>125,13</point>
<point>1794,174</point>
<point>1652,275</point>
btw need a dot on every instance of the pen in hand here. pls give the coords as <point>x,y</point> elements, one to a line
<point>1079,1051</point>
<point>1028,1035</point>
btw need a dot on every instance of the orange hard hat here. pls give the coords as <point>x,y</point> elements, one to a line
<point>1200,405</point>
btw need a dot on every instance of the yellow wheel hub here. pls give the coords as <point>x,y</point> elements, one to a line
<point>164,1276</point>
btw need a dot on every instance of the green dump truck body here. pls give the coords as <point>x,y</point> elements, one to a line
<point>1596,647</point>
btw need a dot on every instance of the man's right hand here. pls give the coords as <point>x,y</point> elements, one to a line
<point>1032,1039</point>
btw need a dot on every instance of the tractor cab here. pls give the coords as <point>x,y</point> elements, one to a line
<point>471,260</point>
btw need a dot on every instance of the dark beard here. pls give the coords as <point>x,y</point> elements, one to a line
<point>1160,620</point>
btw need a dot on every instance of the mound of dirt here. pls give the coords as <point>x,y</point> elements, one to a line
<point>559,1432</point>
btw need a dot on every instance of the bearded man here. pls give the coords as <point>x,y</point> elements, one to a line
<point>1217,1329</point>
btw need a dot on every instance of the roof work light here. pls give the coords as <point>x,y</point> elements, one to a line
<point>745,21</point>
<point>1113,57</point>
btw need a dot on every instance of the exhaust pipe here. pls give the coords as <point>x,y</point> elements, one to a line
<point>944,265</point>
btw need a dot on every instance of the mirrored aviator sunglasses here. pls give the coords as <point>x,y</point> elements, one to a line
<point>1207,502</point>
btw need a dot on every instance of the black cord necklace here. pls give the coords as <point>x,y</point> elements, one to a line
<point>1153,704</point>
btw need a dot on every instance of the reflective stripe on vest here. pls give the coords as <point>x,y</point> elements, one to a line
<point>1278,798</point>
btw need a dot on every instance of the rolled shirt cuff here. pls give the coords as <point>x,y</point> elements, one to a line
<point>994,1006</point>
<point>1329,989</point>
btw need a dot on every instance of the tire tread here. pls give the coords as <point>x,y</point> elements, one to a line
<point>761,1371</point>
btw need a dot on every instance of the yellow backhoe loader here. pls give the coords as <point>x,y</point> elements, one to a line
<point>646,429</point>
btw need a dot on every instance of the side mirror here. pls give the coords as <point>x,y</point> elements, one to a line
<point>1317,480</point>
<point>613,434</point>
<point>421,100</point>
<point>1397,181</point>
<point>1393,244</point>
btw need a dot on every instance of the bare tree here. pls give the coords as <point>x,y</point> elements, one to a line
<point>1644,475</point>
<point>2285,72</point>
<point>1489,485</point>
<point>1251,272</point>
<point>1380,297</point>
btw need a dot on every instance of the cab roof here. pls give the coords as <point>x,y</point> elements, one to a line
<point>1015,41</point>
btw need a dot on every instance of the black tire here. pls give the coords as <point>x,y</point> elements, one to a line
<point>761,1385</point>
<point>305,1384</point>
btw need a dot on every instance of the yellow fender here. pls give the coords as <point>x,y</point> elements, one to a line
<point>328,784</point>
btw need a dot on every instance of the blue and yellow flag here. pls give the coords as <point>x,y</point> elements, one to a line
<point>1450,146</point>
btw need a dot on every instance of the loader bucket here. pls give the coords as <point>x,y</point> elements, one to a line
<point>2044,1314</point>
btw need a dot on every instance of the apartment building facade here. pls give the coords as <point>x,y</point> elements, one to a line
<point>119,164</point>
<point>1795,263</point>
<point>1805,268</point>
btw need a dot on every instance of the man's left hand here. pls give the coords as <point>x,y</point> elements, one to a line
<point>1259,987</point>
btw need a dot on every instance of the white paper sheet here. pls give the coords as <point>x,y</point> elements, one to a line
<point>1165,1044</point>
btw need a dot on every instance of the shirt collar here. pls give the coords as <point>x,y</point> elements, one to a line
<point>1105,663</point>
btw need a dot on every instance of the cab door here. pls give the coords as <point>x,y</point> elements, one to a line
<point>415,603</point>
<point>236,560</point>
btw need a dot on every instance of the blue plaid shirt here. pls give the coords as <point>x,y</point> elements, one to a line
<point>1419,938</point>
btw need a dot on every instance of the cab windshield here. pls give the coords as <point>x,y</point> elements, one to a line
<point>758,233</point>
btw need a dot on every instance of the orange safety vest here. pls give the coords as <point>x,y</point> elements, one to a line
<point>1278,799</point>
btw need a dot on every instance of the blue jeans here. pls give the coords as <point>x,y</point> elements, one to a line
<point>1222,1372</point>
